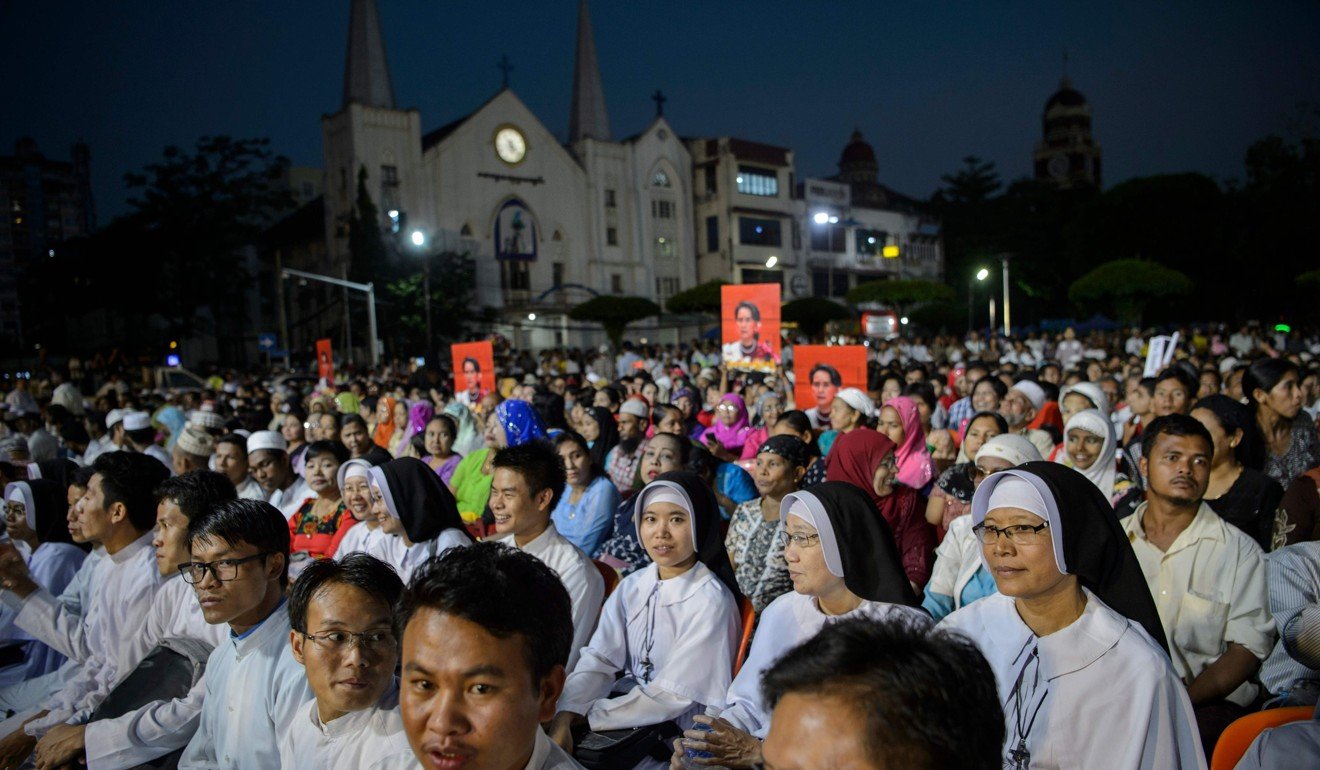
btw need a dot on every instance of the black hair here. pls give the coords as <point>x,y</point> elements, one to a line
<point>1000,422</point>
<point>924,391</point>
<point>1173,425</point>
<point>131,478</point>
<point>359,570</point>
<point>659,411</point>
<point>917,366</point>
<point>613,394</point>
<point>702,462</point>
<point>237,439</point>
<point>996,384</point>
<point>1148,384</point>
<point>476,365</point>
<point>684,445</point>
<point>255,522</point>
<point>573,437</point>
<point>756,311</point>
<point>446,419</point>
<point>81,476</point>
<point>836,379</point>
<point>1265,373</point>
<point>295,411</point>
<point>352,419</point>
<point>550,406</point>
<point>1234,416</point>
<point>539,466</point>
<point>912,688</point>
<point>1051,390</point>
<point>505,591</point>
<point>195,492</point>
<point>1190,382</point>
<point>796,419</point>
<point>324,447</point>
<point>141,436</point>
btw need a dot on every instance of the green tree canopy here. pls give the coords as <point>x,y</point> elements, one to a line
<point>614,313</point>
<point>812,313</point>
<point>900,293</point>
<point>702,298</point>
<point>1129,285</point>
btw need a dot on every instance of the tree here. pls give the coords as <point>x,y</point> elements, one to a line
<point>974,183</point>
<point>811,314</point>
<point>614,313</point>
<point>702,298</point>
<point>900,293</point>
<point>1128,285</point>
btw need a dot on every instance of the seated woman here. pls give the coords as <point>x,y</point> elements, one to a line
<point>323,520</point>
<point>959,576</point>
<point>951,496</point>
<point>729,430</point>
<point>1239,490</point>
<point>511,423</point>
<point>585,512</point>
<point>354,480</point>
<point>664,453</point>
<point>901,422</point>
<point>1073,635</point>
<point>1091,448</point>
<point>844,564</point>
<point>439,435</point>
<point>769,406</point>
<point>753,541</point>
<point>417,515</point>
<point>37,524</point>
<point>851,409</point>
<point>672,628</point>
<point>601,431</point>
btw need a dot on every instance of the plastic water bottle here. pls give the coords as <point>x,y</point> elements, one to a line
<point>690,754</point>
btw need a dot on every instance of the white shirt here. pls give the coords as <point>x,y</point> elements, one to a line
<point>586,588</point>
<point>1113,701</point>
<point>788,621</point>
<point>253,689</point>
<point>358,539</point>
<point>693,641</point>
<point>250,490</point>
<point>1210,589</point>
<point>291,499</point>
<point>351,742</point>
<point>161,726</point>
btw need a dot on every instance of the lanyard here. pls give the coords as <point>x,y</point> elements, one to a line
<point>648,637</point>
<point>1019,756</point>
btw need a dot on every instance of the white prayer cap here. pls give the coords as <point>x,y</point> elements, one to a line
<point>206,420</point>
<point>634,407</point>
<point>195,441</point>
<point>266,439</point>
<point>113,417</point>
<point>1033,392</point>
<point>858,401</point>
<point>1227,364</point>
<point>1011,447</point>
<point>137,421</point>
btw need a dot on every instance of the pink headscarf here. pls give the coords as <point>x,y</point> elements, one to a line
<point>731,437</point>
<point>915,468</point>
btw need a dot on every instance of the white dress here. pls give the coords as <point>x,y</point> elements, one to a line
<point>1111,698</point>
<point>351,742</point>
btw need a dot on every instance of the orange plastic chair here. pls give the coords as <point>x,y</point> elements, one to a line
<point>748,613</point>
<point>609,574</point>
<point>1237,737</point>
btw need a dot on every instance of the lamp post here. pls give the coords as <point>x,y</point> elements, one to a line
<point>368,288</point>
<point>981,275</point>
<point>1008,324</point>
<point>419,240</point>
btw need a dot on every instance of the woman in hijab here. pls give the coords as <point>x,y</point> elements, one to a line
<point>844,564</point>
<point>728,432</point>
<point>469,437</point>
<point>1073,635</point>
<point>951,496</point>
<point>769,407</point>
<point>901,422</point>
<point>753,541</point>
<point>512,423</point>
<point>671,628</point>
<point>601,431</point>
<point>867,460</point>
<point>1239,491</point>
<point>959,577</point>
<point>354,484</point>
<point>172,420</point>
<point>385,427</point>
<point>1091,448</point>
<point>417,514</point>
<point>36,521</point>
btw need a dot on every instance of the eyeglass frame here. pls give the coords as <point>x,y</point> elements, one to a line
<point>981,529</point>
<point>807,541</point>
<point>210,566</point>
<point>355,639</point>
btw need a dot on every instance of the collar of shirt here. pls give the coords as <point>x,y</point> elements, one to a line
<point>254,636</point>
<point>353,722</point>
<point>539,544</point>
<point>675,590</point>
<point>540,751</point>
<point>1206,525</point>
<point>1069,649</point>
<point>132,549</point>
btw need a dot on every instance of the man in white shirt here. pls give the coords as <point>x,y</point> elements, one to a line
<point>253,686</point>
<point>231,459</point>
<point>141,437</point>
<point>1207,577</point>
<point>480,676</point>
<point>342,614</point>
<point>528,482</point>
<point>163,725</point>
<point>118,510</point>
<point>111,441</point>
<point>268,459</point>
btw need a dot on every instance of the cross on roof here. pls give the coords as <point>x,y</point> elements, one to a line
<point>659,98</point>
<point>506,67</point>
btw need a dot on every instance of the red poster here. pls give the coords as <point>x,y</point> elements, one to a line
<point>325,360</point>
<point>820,370</point>
<point>749,316</point>
<point>474,371</point>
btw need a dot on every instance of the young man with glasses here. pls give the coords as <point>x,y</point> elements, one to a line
<point>239,571</point>
<point>342,613</point>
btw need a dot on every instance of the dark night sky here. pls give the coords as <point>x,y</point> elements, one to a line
<point>1181,88</point>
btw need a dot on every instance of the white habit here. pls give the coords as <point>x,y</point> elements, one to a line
<point>351,742</point>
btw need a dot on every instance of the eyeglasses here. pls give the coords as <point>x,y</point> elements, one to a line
<point>801,541</point>
<point>1017,534</point>
<point>224,570</point>
<point>342,641</point>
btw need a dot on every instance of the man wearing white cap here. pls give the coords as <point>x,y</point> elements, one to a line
<point>209,422</point>
<point>142,438</point>
<point>110,441</point>
<point>193,450</point>
<point>268,460</point>
<point>1023,402</point>
<point>621,462</point>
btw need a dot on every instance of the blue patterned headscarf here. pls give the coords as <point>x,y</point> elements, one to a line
<point>520,421</point>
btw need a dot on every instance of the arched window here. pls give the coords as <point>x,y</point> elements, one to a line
<point>466,232</point>
<point>660,179</point>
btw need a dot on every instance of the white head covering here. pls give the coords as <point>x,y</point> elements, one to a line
<point>352,469</point>
<point>857,400</point>
<point>664,492</point>
<point>1011,447</point>
<point>634,407</point>
<point>195,441</point>
<point>1093,393</point>
<point>267,439</point>
<point>1033,392</point>
<point>21,493</point>
<point>1020,490</point>
<point>137,421</point>
<point>808,507</point>
<point>1103,471</point>
<point>206,420</point>
<point>112,417</point>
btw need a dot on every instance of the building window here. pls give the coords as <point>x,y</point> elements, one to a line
<point>609,199</point>
<point>557,273</point>
<point>389,175</point>
<point>612,236</point>
<point>664,247</point>
<point>662,209</point>
<point>826,283</point>
<point>759,232</point>
<point>666,287</point>
<point>712,181</point>
<point>616,283</point>
<point>832,238</point>
<point>871,243</point>
<point>712,234</point>
<point>515,275</point>
<point>760,182</point>
<point>661,179</point>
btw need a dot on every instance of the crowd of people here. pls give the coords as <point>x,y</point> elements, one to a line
<point>1051,551</point>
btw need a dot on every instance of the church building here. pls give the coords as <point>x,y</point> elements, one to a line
<point>1067,154</point>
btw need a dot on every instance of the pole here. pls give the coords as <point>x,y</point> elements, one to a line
<point>284,321</point>
<point>1008,325</point>
<point>371,324</point>
<point>348,323</point>
<point>992,318</point>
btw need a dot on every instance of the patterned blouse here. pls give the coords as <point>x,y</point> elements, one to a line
<point>758,555</point>
<point>317,537</point>
<point>1303,453</point>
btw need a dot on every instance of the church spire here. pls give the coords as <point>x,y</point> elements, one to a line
<point>587,117</point>
<point>367,74</point>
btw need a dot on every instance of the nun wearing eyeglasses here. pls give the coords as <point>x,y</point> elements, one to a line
<point>671,628</point>
<point>1073,635</point>
<point>843,562</point>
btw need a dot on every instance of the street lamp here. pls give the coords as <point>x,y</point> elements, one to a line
<point>772,261</point>
<point>981,275</point>
<point>419,240</point>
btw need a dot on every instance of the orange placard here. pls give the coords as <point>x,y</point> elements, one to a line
<point>749,316</point>
<point>820,370</point>
<point>474,371</point>
<point>325,360</point>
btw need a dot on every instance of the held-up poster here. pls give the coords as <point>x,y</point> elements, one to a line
<point>820,371</point>
<point>474,371</point>
<point>750,326</point>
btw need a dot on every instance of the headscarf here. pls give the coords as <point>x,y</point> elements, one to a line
<point>1013,447</point>
<point>415,495</point>
<point>57,471</point>
<point>1104,469</point>
<point>791,448</point>
<point>520,421</point>
<point>419,414</point>
<point>347,403</point>
<point>45,508</point>
<point>385,428</point>
<point>914,464</point>
<point>1087,539</point>
<point>731,437</point>
<point>609,434</point>
<point>1092,392</point>
<point>469,438</point>
<point>855,457</point>
<point>696,497</point>
<point>858,401</point>
<point>173,420</point>
<point>857,543</point>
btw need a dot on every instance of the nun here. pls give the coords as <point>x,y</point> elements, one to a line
<point>417,513</point>
<point>844,564</point>
<point>1073,636</point>
<point>670,628</point>
<point>354,480</point>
